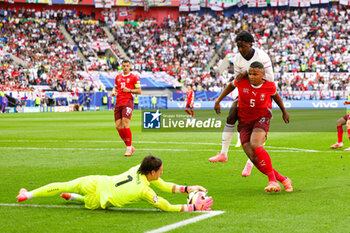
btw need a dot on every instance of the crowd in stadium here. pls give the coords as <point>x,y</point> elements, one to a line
<point>302,40</point>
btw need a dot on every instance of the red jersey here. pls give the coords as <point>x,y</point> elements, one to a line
<point>190,97</point>
<point>130,81</point>
<point>254,102</point>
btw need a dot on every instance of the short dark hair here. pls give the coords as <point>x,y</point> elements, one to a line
<point>149,163</point>
<point>125,61</point>
<point>245,36</point>
<point>257,64</point>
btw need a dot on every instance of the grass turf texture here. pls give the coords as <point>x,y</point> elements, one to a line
<point>40,148</point>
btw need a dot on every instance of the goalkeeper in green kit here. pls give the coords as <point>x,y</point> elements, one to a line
<point>129,187</point>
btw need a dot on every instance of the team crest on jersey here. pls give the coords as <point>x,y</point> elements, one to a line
<point>262,97</point>
<point>155,199</point>
<point>245,90</point>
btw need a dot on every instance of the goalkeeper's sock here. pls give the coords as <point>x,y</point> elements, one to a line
<point>121,134</point>
<point>128,136</point>
<point>264,165</point>
<point>229,129</point>
<point>29,195</point>
<point>340,133</point>
<point>73,197</point>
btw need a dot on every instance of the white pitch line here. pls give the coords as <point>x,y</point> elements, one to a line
<point>304,150</point>
<point>159,142</point>
<point>97,141</point>
<point>143,149</point>
<point>73,207</point>
<point>207,214</point>
<point>170,227</point>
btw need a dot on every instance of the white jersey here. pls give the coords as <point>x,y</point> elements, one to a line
<point>241,64</point>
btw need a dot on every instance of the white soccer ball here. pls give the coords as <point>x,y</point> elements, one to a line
<point>194,196</point>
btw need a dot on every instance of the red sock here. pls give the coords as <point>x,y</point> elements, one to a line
<point>279,177</point>
<point>348,133</point>
<point>121,134</point>
<point>340,133</point>
<point>188,112</point>
<point>264,164</point>
<point>191,113</point>
<point>128,137</point>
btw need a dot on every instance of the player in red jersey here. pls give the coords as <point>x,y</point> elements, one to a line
<point>340,122</point>
<point>126,84</point>
<point>189,100</point>
<point>254,113</point>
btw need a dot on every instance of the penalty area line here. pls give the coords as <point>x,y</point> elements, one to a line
<point>208,214</point>
<point>204,214</point>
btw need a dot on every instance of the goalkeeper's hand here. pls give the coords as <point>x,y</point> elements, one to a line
<point>196,188</point>
<point>203,204</point>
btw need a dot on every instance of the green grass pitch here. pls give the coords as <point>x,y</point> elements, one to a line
<point>40,148</point>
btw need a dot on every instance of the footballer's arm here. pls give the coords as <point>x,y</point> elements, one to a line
<point>175,188</point>
<point>277,98</point>
<point>114,91</point>
<point>228,89</point>
<point>137,89</point>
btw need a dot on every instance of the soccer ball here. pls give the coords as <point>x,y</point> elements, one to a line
<point>194,196</point>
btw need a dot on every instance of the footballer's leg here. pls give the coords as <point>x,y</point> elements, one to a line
<point>348,130</point>
<point>264,165</point>
<point>340,122</point>
<point>126,116</point>
<point>118,121</point>
<point>229,129</point>
<point>53,189</point>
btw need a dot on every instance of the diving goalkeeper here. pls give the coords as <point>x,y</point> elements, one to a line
<point>129,187</point>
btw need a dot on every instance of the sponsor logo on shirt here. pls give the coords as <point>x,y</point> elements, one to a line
<point>245,90</point>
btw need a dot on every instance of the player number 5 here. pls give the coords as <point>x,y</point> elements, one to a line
<point>252,102</point>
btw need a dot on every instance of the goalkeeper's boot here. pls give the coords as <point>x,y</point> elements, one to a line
<point>21,196</point>
<point>219,157</point>
<point>247,169</point>
<point>129,151</point>
<point>337,145</point>
<point>287,184</point>
<point>66,196</point>
<point>347,149</point>
<point>273,187</point>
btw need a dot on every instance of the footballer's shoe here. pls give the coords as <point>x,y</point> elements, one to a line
<point>273,187</point>
<point>66,196</point>
<point>129,151</point>
<point>21,196</point>
<point>219,157</point>
<point>337,145</point>
<point>287,184</point>
<point>347,149</point>
<point>247,169</point>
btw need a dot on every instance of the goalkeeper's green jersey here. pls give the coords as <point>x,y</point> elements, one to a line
<point>131,187</point>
